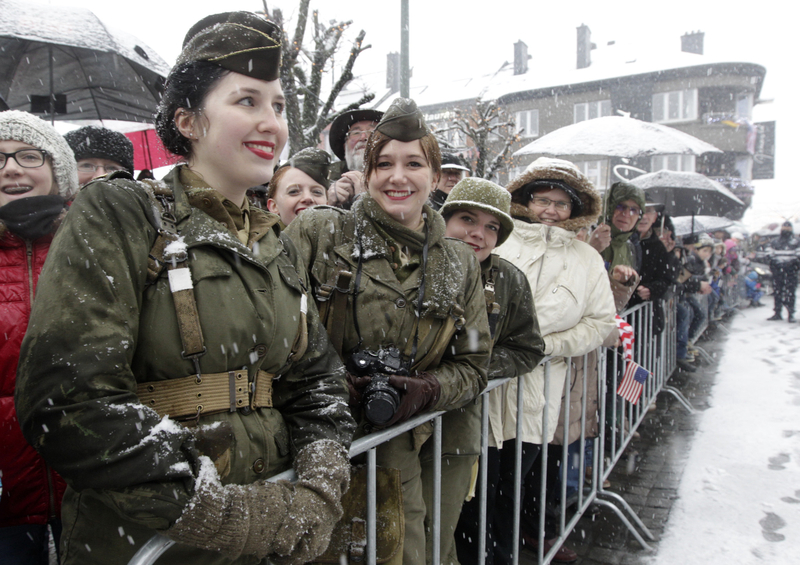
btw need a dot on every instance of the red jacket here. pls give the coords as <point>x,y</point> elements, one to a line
<point>32,491</point>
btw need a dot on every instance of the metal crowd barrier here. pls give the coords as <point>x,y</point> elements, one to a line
<point>618,420</point>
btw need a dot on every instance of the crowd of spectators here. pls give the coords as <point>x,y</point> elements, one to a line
<point>427,282</point>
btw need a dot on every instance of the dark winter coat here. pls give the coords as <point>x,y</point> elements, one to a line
<point>32,491</point>
<point>657,274</point>
<point>780,253</point>
<point>518,348</point>
<point>99,328</point>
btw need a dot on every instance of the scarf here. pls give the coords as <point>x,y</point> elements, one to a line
<point>377,231</point>
<point>33,217</point>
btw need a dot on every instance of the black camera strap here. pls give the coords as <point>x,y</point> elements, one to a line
<point>419,301</point>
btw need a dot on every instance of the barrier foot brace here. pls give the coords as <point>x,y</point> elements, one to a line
<point>679,397</point>
<point>624,520</point>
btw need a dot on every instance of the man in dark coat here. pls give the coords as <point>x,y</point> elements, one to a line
<point>784,262</point>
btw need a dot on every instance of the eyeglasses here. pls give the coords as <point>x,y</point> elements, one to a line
<point>545,203</point>
<point>25,158</point>
<point>359,132</point>
<point>628,210</point>
<point>89,168</point>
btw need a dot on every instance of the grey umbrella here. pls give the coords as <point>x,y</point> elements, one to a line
<point>65,64</point>
<point>687,194</point>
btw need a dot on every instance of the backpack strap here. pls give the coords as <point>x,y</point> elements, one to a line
<point>169,250</point>
<point>492,307</point>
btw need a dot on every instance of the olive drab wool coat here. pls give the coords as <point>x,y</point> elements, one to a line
<point>99,328</point>
<point>386,307</point>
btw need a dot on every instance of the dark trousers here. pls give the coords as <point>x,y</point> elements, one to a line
<point>499,507</point>
<point>532,497</point>
<point>28,544</point>
<point>784,281</point>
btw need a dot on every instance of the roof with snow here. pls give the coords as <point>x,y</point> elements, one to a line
<point>607,64</point>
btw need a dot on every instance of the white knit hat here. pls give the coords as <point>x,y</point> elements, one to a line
<point>27,128</point>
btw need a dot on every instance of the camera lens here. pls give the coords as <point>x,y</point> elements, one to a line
<point>380,408</point>
<point>380,400</point>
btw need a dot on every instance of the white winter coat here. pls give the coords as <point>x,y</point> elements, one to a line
<point>575,308</point>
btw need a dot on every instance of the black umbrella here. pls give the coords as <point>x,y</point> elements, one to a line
<point>65,64</point>
<point>687,194</point>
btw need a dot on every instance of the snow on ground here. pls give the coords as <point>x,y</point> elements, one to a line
<point>739,499</point>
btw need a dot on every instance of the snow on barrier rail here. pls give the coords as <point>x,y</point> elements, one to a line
<point>618,420</point>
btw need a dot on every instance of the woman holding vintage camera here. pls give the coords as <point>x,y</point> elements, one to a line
<point>399,300</point>
<point>173,362</point>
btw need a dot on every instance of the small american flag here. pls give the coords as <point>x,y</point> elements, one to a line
<point>632,382</point>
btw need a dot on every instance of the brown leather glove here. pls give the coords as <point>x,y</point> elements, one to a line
<point>419,393</point>
<point>356,386</point>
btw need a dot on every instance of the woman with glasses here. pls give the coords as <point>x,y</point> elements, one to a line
<point>403,303</point>
<point>550,202</point>
<point>100,151</point>
<point>37,177</point>
<point>174,359</point>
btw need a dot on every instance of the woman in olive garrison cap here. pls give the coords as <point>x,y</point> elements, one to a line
<point>401,300</point>
<point>174,360</point>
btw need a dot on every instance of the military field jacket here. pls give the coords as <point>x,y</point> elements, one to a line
<point>386,308</point>
<point>99,328</point>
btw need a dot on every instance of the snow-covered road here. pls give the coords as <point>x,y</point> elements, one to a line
<point>739,500</point>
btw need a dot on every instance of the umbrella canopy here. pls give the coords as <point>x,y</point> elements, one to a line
<point>65,63</point>
<point>615,136</point>
<point>686,194</point>
<point>685,225</point>
<point>148,151</point>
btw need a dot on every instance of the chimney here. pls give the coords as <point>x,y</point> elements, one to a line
<point>585,46</point>
<point>393,72</point>
<point>521,58</point>
<point>692,42</point>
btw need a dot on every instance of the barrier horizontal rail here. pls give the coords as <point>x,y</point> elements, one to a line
<point>654,352</point>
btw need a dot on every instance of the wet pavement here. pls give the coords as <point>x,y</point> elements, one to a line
<point>649,478</point>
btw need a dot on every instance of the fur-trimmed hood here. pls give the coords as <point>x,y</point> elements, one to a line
<point>557,169</point>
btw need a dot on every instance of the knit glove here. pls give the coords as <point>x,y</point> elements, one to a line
<point>419,393</point>
<point>233,520</point>
<point>323,476</point>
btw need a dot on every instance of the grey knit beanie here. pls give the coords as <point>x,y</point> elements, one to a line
<point>27,128</point>
<point>92,142</point>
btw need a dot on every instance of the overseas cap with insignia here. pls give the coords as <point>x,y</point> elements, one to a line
<point>241,42</point>
<point>403,121</point>
<point>313,162</point>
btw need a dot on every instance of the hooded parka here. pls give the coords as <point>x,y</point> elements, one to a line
<point>573,300</point>
<point>100,327</point>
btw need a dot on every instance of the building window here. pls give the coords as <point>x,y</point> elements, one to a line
<point>675,106</point>
<point>744,105</point>
<point>685,163</point>
<point>590,110</point>
<point>528,122</point>
<point>597,171</point>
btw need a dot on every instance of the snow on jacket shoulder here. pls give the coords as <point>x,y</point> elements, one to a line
<point>31,491</point>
